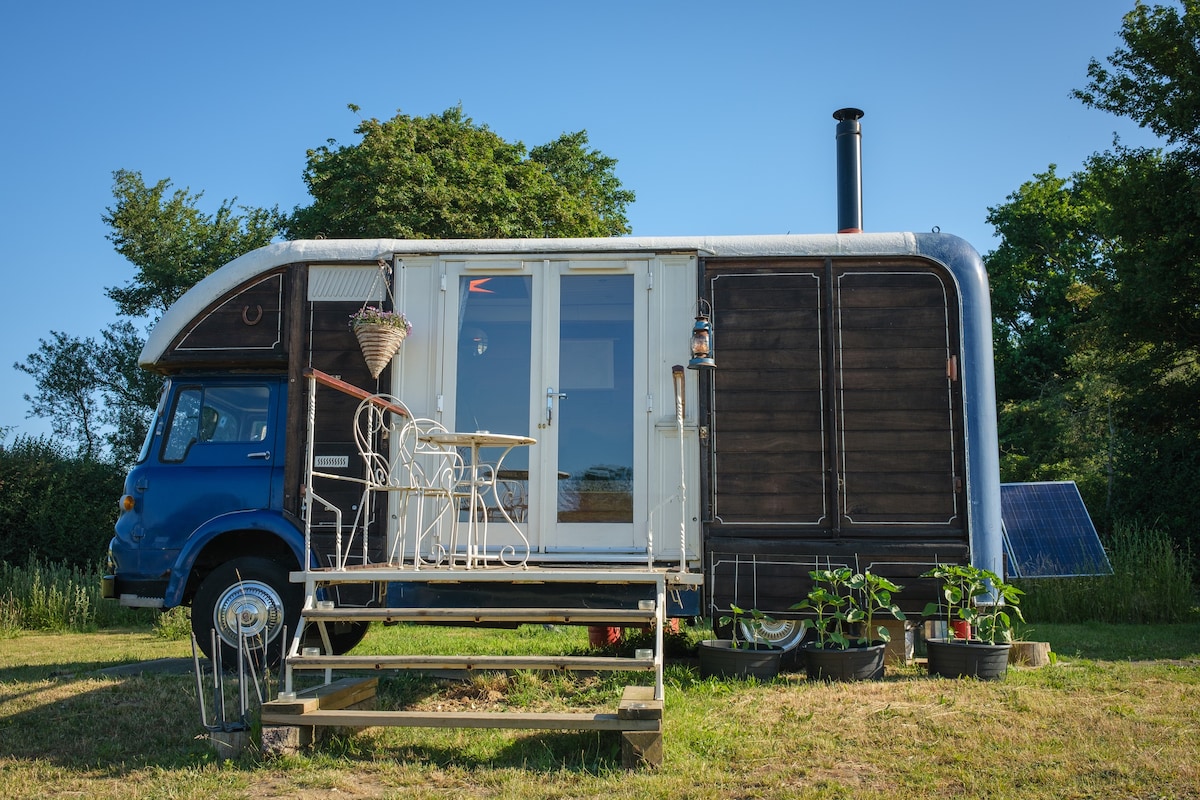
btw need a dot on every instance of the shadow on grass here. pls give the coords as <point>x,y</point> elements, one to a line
<point>113,725</point>
<point>585,752</point>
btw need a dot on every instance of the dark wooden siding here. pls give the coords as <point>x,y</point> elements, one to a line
<point>897,434</point>
<point>835,424</point>
<point>769,404</point>
<point>333,349</point>
<point>247,329</point>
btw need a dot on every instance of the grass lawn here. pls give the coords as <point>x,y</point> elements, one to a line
<point>1118,715</point>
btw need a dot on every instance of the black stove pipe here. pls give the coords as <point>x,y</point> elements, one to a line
<point>849,170</point>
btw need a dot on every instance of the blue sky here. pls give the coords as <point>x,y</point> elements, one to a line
<point>719,113</point>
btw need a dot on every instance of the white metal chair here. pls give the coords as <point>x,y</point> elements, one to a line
<point>421,475</point>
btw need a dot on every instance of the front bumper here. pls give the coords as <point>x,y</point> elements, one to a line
<point>135,594</point>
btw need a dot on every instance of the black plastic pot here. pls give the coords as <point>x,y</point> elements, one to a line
<point>956,658</point>
<point>855,663</point>
<point>719,658</point>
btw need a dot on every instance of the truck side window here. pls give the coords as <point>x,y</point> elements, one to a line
<point>216,415</point>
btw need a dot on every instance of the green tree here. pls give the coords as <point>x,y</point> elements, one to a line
<point>1096,294</point>
<point>1054,408</point>
<point>1155,78</point>
<point>592,201</point>
<point>171,243</point>
<point>446,177</point>
<point>1149,298</point>
<point>65,375</point>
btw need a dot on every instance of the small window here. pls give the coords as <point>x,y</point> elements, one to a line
<point>216,415</point>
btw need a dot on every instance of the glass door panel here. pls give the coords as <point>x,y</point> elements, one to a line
<point>595,368</point>
<point>492,377</point>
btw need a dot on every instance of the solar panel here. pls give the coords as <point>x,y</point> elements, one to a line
<point>1048,533</point>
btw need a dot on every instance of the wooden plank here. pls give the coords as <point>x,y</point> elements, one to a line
<point>435,662</point>
<point>566,721</point>
<point>360,394</point>
<point>638,702</point>
<point>296,417</point>
<point>338,694</point>
<point>565,616</point>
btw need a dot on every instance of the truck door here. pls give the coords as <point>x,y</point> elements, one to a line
<point>220,450</point>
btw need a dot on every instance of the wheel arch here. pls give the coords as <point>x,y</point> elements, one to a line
<point>261,533</point>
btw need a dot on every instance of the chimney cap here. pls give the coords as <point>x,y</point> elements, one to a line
<point>843,114</point>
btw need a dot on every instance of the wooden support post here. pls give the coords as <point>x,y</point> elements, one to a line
<point>1029,654</point>
<point>641,748</point>
<point>280,740</point>
<point>229,744</point>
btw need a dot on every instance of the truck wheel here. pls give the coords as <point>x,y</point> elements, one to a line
<point>253,594</point>
<point>785,634</point>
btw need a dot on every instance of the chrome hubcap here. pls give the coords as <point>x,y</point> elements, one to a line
<point>251,608</point>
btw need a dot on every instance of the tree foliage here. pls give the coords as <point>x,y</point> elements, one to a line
<point>1096,295</point>
<point>1155,78</point>
<point>91,389</point>
<point>446,177</point>
<point>171,243</point>
<point>55,505</point>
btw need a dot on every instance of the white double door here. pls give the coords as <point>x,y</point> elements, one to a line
<point>555,350</point>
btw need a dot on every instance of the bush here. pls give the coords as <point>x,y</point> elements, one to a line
<point>55,507</point>
<point>1152,582</point>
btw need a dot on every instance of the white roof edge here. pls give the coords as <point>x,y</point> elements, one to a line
<point>263,260</point>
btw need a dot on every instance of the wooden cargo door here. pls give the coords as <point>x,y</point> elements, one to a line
<point>895,381</point>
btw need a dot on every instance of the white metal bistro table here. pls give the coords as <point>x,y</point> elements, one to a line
<point>479,485</point>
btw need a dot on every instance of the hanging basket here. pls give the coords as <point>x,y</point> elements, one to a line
<point>379,343</point>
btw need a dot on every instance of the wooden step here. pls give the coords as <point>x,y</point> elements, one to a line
<point>354,718</point>
<point>458,662</point>
<point>564,616</point>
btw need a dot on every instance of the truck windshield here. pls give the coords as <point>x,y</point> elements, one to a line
<point>155,423</point>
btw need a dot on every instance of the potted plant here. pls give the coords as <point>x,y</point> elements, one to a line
<point>742,655</point>
<point>380,334</point>
<point>983,606</point>
<point>843,604</point>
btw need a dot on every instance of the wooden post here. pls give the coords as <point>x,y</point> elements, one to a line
<point>1029,654</point>
<point>641,748</point>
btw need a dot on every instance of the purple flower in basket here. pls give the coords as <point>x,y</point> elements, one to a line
<point>371,315</point>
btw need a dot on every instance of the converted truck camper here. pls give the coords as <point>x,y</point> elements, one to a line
<point>841,411</point>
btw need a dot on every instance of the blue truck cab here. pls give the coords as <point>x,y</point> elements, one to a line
<point>202,520</point>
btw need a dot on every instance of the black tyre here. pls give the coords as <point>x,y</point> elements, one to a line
<point>249,594</point>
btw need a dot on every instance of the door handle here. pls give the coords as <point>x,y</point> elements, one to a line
<point>550,395</point>
<point>265,455</point>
